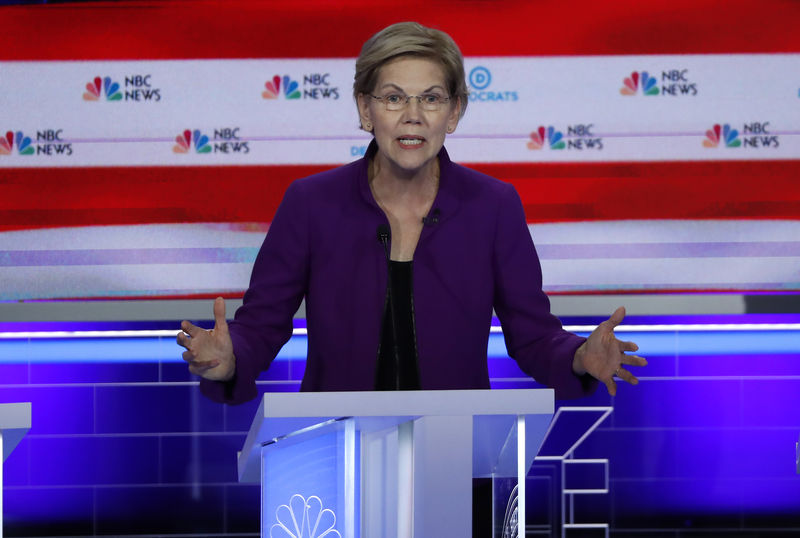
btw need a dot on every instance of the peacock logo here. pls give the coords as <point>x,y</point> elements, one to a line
<point>630,85</point>
<point>98,88</point>
<point>24,143</point>
<point>189,138</point>
<point>550,136</point>
<point>273,88</point>
<point>722,134</point>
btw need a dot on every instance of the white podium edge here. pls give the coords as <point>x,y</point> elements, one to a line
<point>15,421</point>
<point>281,413</point>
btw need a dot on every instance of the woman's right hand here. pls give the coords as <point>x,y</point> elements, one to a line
<point>209,353</point>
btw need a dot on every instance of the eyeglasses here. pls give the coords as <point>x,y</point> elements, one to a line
<point>398,101</point>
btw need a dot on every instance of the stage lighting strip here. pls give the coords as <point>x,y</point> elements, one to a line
<point>302,331</point>
<point>147,346</point>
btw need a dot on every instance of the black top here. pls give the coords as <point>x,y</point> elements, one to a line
<point>397,360</point>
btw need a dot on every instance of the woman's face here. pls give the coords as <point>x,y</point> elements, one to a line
<point>410,138</point>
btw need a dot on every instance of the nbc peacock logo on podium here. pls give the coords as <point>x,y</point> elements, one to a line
<point>304,518</point>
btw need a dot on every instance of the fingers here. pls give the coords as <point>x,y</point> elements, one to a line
<point>627,346</point>
<point>626,376</point>
<point>183,340</point>
<point>611,386</point>
<point>634,360</point>
<point>200,368</point>
<point>219,314</point>
<point>616,318</point>
<point>190,328</point>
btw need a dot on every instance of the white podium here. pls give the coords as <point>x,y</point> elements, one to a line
<point>15,421</point>
<point>352,464</point>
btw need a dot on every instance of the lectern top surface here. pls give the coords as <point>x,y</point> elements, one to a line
<point>15,415</point>
<point>406,403</point>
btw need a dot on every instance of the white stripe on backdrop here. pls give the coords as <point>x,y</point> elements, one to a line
<point>612,257</point>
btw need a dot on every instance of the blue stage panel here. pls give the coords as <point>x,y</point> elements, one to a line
<point>690,503</point>
<point>242,508</point>
<point>16,468</point>
<point>635,453</point>
<point>199,458</point>
<point>53,511</point>
<point>55,409</point>
<point>730,453</point>
<point>94,460</point>
<point>679,403</point>
<point>238,418</point>
<point>155,409</point>
<point>771,402</point>
<point>94,372</point>
<point>759,364</point>
<point>175,372</point>
<point>160,510</point>
<point>657,366</point>
<point>14,374</point>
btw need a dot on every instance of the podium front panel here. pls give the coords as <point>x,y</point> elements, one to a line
<point>310,483</point>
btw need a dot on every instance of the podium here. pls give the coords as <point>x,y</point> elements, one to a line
<point>15,421</point>
<point>392,464</point>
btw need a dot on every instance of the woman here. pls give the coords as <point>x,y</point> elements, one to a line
<point>458,247</point>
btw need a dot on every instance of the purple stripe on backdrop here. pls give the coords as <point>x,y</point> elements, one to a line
<point>726,249</point>
<point>121,256</point>
<point>25,258</point>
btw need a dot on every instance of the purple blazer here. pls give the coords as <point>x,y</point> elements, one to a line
<point>322,246</point>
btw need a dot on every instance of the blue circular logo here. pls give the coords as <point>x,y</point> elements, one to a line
<point>480,78</point>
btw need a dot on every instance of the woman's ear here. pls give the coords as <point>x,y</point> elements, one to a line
<point>364,112</point>
<point>455,115</point>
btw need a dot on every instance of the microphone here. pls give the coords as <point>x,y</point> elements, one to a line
<point>432,219</point>
<point>384,234</point>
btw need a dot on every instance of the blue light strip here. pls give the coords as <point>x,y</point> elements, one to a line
<point>153,346</point>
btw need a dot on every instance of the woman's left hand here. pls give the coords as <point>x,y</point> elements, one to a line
<point>602,355</point>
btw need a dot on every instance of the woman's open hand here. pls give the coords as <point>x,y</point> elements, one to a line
<point>602,355</point>
<point>209,352</point>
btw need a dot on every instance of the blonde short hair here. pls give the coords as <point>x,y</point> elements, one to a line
<point>411,39</point>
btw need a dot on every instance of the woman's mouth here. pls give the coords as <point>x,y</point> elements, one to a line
<point>410,141</point>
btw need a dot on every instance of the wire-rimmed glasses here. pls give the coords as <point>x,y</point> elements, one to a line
<point>431,102</point>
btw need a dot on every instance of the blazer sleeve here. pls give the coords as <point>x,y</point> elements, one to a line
<point>534,337</point>
<point>263,324</point>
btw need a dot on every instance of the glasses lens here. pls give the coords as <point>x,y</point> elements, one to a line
<point>429,101</point>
